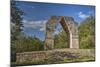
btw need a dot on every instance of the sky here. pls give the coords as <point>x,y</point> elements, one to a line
<point>37,14</point>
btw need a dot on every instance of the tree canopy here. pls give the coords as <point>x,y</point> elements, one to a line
<point>16,21</point>
<point>87,33</point>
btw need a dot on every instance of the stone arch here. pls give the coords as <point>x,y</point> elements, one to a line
<point>68,25</point>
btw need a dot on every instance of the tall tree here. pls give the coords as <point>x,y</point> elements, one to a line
<point>16,21</point>
<point>16,27</point>
<point>87,33</point>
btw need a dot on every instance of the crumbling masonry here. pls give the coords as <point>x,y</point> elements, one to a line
<point>68,25</point>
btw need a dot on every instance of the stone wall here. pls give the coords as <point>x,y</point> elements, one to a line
<point>31,56</point>
<point>42,55</point>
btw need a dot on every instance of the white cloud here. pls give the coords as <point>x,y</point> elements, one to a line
<point>58,29</point>
<point>43,28</point>
<point>56,32</point>
<point>38,25</point>
<point>82,15</point>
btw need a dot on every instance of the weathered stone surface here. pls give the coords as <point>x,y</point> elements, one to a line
<point>68,25</point>
<point>43,55</point>
<point>31,56</point>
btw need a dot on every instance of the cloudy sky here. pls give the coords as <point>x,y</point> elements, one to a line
<point>36,15</point>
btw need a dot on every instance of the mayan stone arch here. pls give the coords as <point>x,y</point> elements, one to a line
<point>68,25</point>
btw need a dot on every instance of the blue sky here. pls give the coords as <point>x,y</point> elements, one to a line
<point>36,15</point>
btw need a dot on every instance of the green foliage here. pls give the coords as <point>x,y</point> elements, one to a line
<point>87,33</point>
<point>16,28</point>
<point>16,21</point>
<point>27,44</point>
<point>61,40</point>
<point>20,43</point>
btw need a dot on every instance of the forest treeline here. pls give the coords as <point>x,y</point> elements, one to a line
<point>22,43</point>
<point>86,31</point>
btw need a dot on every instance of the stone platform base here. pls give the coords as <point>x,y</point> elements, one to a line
<point>53,55</point>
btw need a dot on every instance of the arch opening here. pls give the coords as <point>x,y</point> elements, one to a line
<point>68,27</point>
<point>61,37</point>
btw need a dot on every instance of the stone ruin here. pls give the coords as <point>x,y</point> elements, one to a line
<point>69,26</point>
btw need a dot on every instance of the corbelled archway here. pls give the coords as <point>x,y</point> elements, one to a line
<point>69,27</point>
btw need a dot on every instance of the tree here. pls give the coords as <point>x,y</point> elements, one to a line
<point>61,40</point>
<point>87,33</point>
<point>16,27</point>
<point>26,44</point>
<point>16,21</point>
